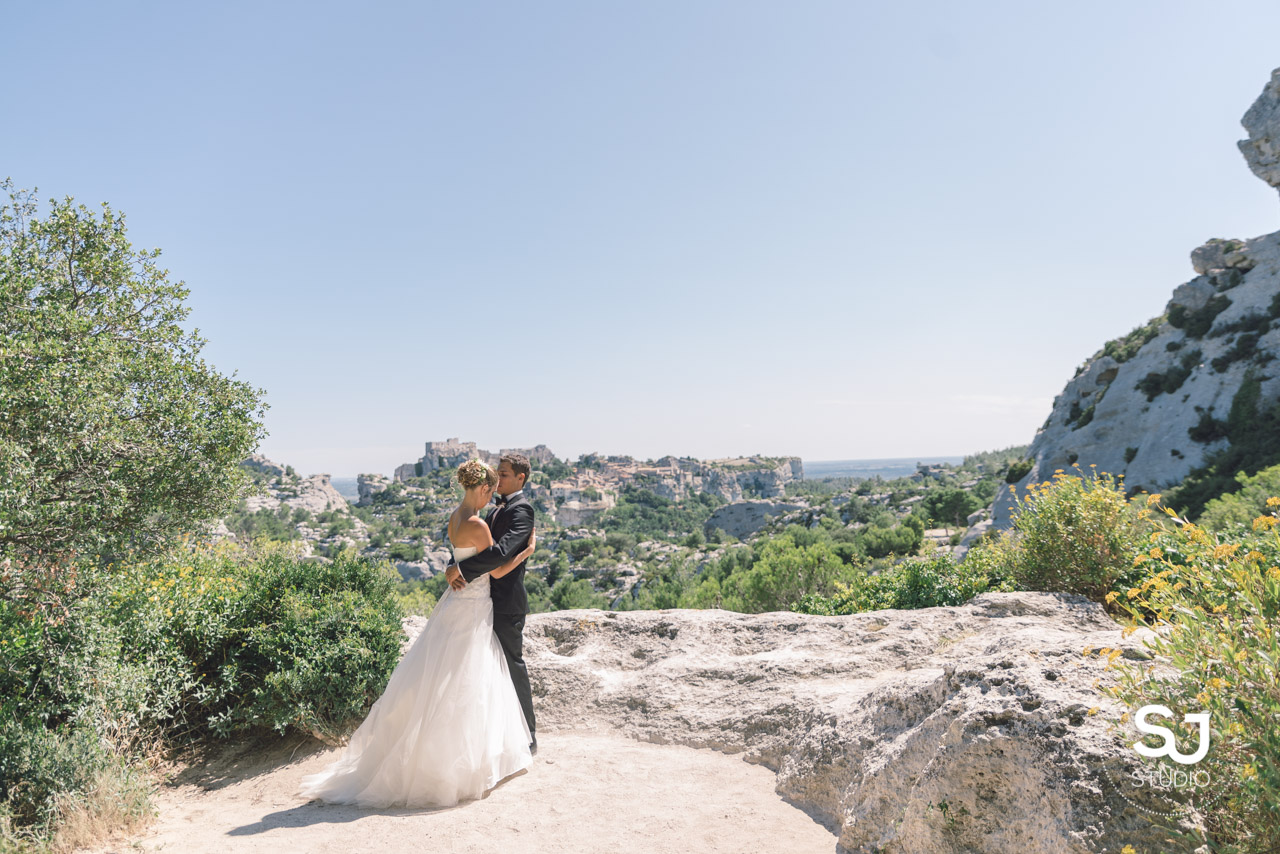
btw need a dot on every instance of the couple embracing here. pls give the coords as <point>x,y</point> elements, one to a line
<point>457,714</point>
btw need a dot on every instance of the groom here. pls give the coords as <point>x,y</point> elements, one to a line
<point>511,523</point>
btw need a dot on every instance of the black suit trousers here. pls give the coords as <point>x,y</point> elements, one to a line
<point>509,629</point>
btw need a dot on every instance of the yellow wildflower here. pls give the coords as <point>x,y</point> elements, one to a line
<point>1111,597</point>
<point>1218,609</point>
<point>1128,849</point>
<point>1273,502</point>
<point>1153,498</point>
<point>1225,550</point>
<point>1133,593</point>
<point>1264,523</point>
<point>1241,655</point>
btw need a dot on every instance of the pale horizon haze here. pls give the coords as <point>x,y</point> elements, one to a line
<point>833,230</point>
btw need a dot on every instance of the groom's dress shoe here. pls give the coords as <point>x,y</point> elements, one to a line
<point>533,747</point>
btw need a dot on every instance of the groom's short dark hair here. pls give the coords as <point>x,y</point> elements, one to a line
<point>519,465</point>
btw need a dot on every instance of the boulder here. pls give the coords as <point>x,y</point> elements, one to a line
<point>744,518</point>
<point>264,465</point>
<point>1262,121</point>
<point>317,494</point>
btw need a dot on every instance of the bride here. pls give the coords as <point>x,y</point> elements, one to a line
<point>449,725</point>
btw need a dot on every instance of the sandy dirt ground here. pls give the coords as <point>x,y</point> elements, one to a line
<point>586,792</point>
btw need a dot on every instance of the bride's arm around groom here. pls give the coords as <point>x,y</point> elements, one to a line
<point>512,541</point>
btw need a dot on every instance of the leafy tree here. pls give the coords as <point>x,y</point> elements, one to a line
<point>114,433</point>
<point>409,552</point>
<point>950,505</point>
<point>570,593</point>
<point>881,542</point>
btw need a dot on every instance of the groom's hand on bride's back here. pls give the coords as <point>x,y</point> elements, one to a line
<point>453,575</point>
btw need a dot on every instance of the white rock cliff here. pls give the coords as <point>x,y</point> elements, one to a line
<point>1152,406</point>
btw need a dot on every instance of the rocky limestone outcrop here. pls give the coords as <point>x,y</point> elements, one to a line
<point>1262,149</point>
<point>582,511</point>
<point>742,519</point>
<point>453,452</point>
<point>874,721</point>
<point>262,464</point>
<point>733,480</point>
<point>369,485</point>
<point>540,454</point>
<point>1153,406</point>
<point>434,561</point>
<point>315,493</point>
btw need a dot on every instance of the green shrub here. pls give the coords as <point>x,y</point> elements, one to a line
<point>1126,347</point>
<point>411,552</point>
<point>1075,533</point>
<point>919,583</point>
<point>883,542</point>
<point>570,593</point>
<point>1018,470</point>
<point>37,765</point>
<point>266,640</point>
<point>1196,323</point>
<point>1243,506</point>
<point>415,598</point>
<point>1215,600</point>
<point>1254,433</point>
<point>1155,384</point>
<point>784,572</point>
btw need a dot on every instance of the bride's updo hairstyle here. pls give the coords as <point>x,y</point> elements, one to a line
<point>475,473</point>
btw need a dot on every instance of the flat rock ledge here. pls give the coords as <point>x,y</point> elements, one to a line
<point>937,730</point>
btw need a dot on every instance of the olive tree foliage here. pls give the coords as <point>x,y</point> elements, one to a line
<point>114,433</point>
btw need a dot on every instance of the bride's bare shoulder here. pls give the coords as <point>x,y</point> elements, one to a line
<point>472,532</point>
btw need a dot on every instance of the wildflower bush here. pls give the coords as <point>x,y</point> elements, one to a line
<point>1214,601</point>
<point>1075,533</point>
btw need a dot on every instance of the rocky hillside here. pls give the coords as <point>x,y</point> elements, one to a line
<point>1177,394</point>
<point>576,493</point>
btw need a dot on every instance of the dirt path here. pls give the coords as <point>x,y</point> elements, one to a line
<point>586,792</point>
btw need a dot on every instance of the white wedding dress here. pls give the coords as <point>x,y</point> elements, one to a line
<point>449,725</point>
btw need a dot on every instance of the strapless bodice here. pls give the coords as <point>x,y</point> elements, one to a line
<point>478,589</point>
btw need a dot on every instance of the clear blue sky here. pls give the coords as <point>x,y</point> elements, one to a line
<point>831,229</point>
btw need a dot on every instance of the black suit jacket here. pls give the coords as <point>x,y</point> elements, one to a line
<point>511,526</point>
